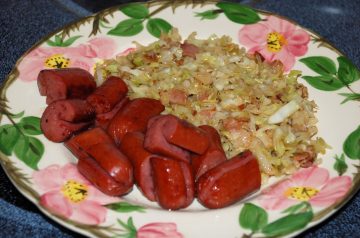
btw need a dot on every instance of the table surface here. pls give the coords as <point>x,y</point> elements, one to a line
<point>24,22</point>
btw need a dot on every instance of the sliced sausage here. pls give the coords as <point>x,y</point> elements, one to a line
<point>66,83</point>
<point>185,135</point>
<point>213,156</point>
<point>229,182</point>
<point>63,118</point>
<point>189,183</point>
<point>134,117</point>
<point>110,158</point>
<point>87,139</point>
<point>132,147</point>
<point>156,142</point>
<point>103,119</point>
<point>170,184</point>
<point>107,95</point>
<point>92,171</point>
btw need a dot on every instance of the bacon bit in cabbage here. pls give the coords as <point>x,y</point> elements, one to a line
<point>177,96</point>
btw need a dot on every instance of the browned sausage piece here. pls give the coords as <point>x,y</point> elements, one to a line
<point>213,156</point>
<point>92,171</point>
<point>134,117</point>
<point>87,139</point>
<point>185,135</point>
<point>62,118</point>
<point>156,142</point>
<point>109,157</point>
<point>169,182</point>
<point>103,119</point>
<point>229,182</point>
<point>107,95</point>
<point>132,147</point>
<point>66,83</point>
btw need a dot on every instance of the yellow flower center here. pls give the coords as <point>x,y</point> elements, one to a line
<point>301,193</point>
<point>57,61</point>
<point>275,41</point>
<point>75,191</point>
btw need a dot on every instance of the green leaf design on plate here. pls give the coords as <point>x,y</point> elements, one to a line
<point>340,165</point>
<point>135,10</point>
<point>127,27</point>
<point>253,217</point>
<point>70,41</point>
<point>351,145</point>
<point>347,72</point>
<point>125,207</point>
<point>320,64</point>
<point>9,135</point>
<point>209,14</point>
<point>29,150</point>
<point>17,115</point>
<point>60,43</point>
<point>129,227</point>
<point>58,40</point>
<point>287,224</point>
<point>239,13</point>
<point>324,82</point>
<point>350,97</point>
<point>30,125</point>
<point>157,26</point>
<point>297,207</point>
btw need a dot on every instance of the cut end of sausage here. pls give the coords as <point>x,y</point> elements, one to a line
<point>63,118</point>
<point>65,83</point>
<point>132,147</point>
<point>213,156</point>
<point>156,142</point>
<point>134,117</point>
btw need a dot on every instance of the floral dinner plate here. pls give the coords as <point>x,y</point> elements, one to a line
<point>46,173</point>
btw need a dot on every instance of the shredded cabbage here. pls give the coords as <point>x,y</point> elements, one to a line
<point>253,104</point>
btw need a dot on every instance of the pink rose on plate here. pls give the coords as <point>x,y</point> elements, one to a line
<point>82,56</point>
<point>67,193</point>
<point>275,39</point>
<point>158,230</point>
<point>312,184</point>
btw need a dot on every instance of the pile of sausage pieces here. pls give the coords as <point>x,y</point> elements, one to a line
<point>120,142</point>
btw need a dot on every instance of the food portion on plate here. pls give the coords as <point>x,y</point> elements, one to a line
<point>182,120</point>
<point>253,104</point>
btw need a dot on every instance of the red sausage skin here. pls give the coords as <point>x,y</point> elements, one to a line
<point>132,147</point>
<point>63,118</point>
<point>187,136</point>
<point>86,140</point>
<point>213,156</point>
<point>229,182</point>
<point>107,95</point>
<point>109,157</point>
<point>103,119</point>
<point>66,83</point>
<point>92,171</point>
<point>170,184</point>
<point>134,117</point>
<point>156,142</point>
